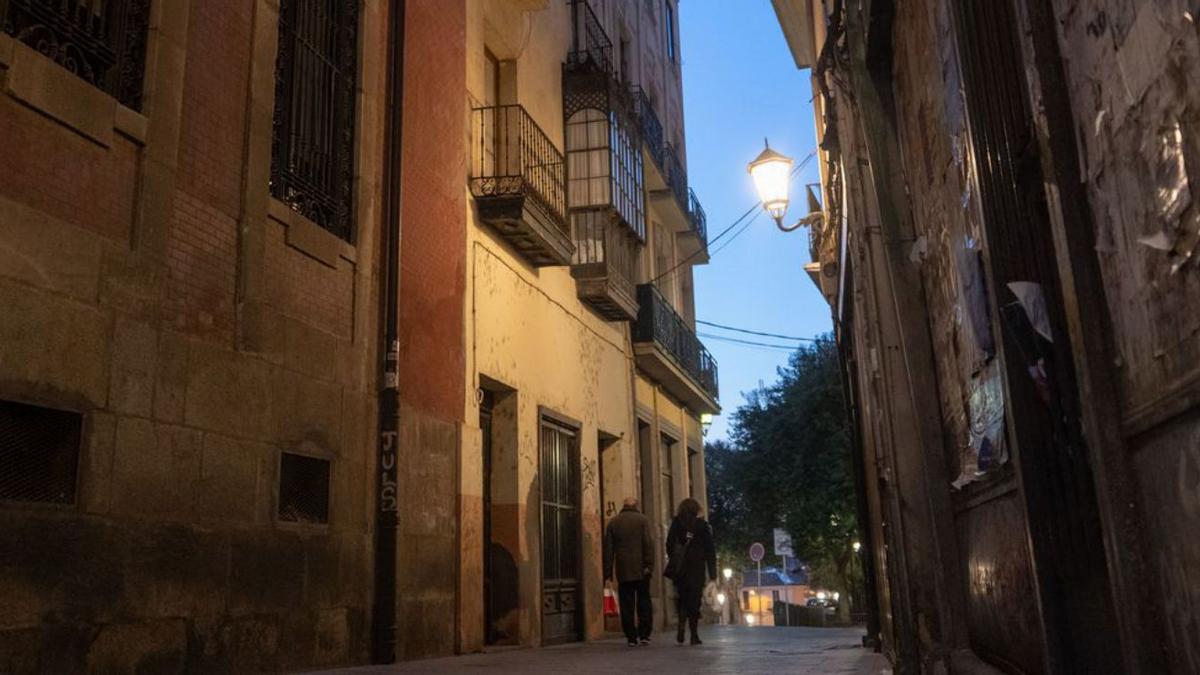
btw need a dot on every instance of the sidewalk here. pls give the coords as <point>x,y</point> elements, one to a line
<point>726,649</point>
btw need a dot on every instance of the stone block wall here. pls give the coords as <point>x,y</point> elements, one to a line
<point>148,283</point>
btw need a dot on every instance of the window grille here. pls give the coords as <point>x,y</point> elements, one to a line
<point>39,453</point>
<point>303,489</point>
<point>103,42</point>
<point>312,148</point>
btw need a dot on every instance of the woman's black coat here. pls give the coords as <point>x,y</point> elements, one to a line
<point>701,553</point>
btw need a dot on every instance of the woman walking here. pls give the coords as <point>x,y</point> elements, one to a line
<point>691,553</point>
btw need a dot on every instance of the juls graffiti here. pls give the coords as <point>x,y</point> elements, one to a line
<point>387,473</point>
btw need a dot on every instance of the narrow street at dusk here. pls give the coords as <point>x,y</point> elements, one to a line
<point>727,650</point>
<point>852,337</point>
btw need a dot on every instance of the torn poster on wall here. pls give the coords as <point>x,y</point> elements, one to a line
<point>986,449</point>
<point>1028,326</point>
<point>974,298</point>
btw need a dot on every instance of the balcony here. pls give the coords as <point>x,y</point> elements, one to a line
<point>653,147</point>
<point>605,256</point>
<point>518,183</point>
<point>694,242</point>
<point>605,184</point>
<point>670,352</point>
<point>673,197</point>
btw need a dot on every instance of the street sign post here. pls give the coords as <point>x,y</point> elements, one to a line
<point>757,551</point>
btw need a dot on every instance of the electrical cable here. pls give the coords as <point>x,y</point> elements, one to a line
<point>756,332</point>
<point>681,263</point>
<point>752,343</point>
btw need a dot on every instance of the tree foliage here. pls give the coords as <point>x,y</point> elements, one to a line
<point>788,465</point>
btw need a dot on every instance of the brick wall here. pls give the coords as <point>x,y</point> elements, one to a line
<point>433,250</point>
<point>213,128</point>
<point>65,175</point>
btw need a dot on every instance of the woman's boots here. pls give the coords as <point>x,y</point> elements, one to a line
<point>679,632</point>
<point>693,622</point>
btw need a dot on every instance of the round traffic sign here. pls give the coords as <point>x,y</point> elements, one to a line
<point>757,551</point>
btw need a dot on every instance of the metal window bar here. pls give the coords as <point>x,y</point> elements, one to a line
<point>39,453</point>
<point>658,322</point>
<point>103,42</point>
<point>600,241</point>
<point>590,43</point>
<point>303,489</point>
<point>312,158</point>
<point>651,127</point>
<point>604,166</point>
<point>512,156</point>
<point>697,216</point>
<point>628,177</point>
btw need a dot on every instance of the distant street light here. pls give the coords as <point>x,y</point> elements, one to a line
<point>721,599</point>
<point>857,547</point>
<point>728,573</point>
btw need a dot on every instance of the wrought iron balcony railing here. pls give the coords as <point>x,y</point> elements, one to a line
<point>590,44</point>
<point>511,155</point>
<point>101,41</point>
<point>517,178</point>
<point>604,264</point>
<point>697,217</point>
<point>657,322</point>
<point>652,128</point>
<point>677,181</point>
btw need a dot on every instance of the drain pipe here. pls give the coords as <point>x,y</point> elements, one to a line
<point>383,649</point>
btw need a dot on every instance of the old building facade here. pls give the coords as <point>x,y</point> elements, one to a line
<point>332,332</point>
<point>1005,244</point>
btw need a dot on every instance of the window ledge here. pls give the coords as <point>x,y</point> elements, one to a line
<point>47,87</point>
<point>309,238</point>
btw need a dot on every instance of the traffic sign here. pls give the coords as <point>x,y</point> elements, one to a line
<point>757,551</point>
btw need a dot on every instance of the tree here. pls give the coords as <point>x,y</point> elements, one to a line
<point>789,466</point>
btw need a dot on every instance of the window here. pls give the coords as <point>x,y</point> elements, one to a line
<point>303,489</point>
<point>312,149</point>
<point>39,453</point>
<point>746,599</point>
<point>667,445</point>
<point>623,59</point>
<point>774,596</point>
<point>103,42</point>
<point>669,23</point>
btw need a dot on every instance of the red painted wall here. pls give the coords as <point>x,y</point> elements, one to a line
<point>433,241</point>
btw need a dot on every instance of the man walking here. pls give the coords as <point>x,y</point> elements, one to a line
<point>629,558</point>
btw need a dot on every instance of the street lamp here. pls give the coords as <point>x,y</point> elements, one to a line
<point>771,172</point>
<point>721,599</point>
<point>857,547</point>
<point>728,573</point>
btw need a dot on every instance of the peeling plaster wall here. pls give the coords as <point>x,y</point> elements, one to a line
<point>527,330</point>
<point>989,514</point>
<point>1132,69</point>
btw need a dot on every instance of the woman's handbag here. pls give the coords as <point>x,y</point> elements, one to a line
<point>674,566</point>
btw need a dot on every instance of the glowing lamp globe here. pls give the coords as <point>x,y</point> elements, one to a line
<point>771,172</point>
<point>728,573</point>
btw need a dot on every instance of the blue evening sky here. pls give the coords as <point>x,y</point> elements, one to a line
<point>740,84</point>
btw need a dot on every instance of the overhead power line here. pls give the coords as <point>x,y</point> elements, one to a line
<point>758,332</point>
<point>752,343</point>
<point>681,263</point>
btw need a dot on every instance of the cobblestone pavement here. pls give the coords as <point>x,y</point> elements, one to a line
<point>726,649</point>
